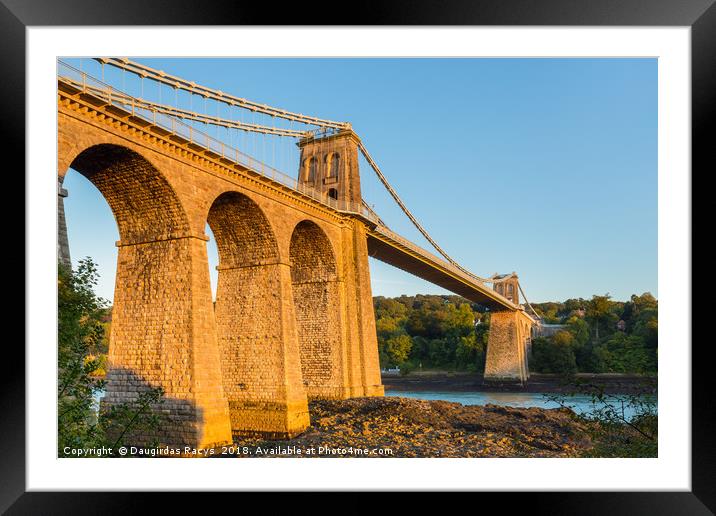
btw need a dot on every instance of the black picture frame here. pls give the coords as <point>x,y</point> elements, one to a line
<point>700,15</point>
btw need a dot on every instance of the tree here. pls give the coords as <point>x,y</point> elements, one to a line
<point>398,348</point>
<point>386,307</point>
<point>80,330</point>
<point>598,311</point>
<point>470,353</point>
<point>554,354</point>
<point>625,354</point>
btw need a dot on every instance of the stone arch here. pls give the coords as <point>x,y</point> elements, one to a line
<point>255,322</point>
<point>143,202</point>
<point>243,233</point>
<point>317,299</point>
<point>161,319</point>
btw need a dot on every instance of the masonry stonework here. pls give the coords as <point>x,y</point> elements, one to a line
<point>507,347</point>
<point>276,335</point>
<point>257,336</point>
<point>162,322</point>
<point>316,292</point>
<point>330,165</point>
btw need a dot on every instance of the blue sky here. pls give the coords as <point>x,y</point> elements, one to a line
<point>546,167</point>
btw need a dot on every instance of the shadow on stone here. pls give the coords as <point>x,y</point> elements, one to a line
<point>136,413</point>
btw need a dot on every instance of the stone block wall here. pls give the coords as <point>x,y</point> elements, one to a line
<point>259,351</point>
<point>317,301</point>
<point>506,359</point>
<point>279,329</point>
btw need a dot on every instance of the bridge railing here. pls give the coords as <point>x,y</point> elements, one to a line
<point>90,85</point>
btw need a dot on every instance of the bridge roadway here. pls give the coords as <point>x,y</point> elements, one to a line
<point>383,244</point>
<point>391,248</point>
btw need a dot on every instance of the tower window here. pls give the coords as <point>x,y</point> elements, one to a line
<point>333,160</point>
<point>309,170</point>
<point>333,193</point>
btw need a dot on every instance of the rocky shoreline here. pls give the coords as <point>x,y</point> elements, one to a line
<point>403,427</point>
<point>538,383</point>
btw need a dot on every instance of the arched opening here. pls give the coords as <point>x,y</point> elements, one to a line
<point>242,231</point>
<point>159,284</point>
<point>309,170</point>
<point>333,193</point>
<point>142,201</point>
<point>316,295</point>
<point>87,227</point>
<point>333,160</point>
<point>255,344</point>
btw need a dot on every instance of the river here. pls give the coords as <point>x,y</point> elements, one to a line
<point>581,404</point>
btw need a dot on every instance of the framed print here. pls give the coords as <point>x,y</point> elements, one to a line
<point>278,241</point>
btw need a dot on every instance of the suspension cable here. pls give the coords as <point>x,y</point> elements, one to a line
<point>191,115</point>
<point>177,82</point>
<point>407,212</point>
<point>526,301</point>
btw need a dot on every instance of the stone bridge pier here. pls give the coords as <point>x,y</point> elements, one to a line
<point>508,347</point>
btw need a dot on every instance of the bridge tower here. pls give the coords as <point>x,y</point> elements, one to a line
<point>509,341</point>
<point>508,286</point>
<point>330,164</point>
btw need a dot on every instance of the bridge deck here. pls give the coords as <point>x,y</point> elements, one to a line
<point>388,247</point>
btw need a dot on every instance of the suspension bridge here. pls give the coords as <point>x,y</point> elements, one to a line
<point>293,251</point>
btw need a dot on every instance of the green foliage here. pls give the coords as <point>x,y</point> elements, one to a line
<point>444,335</point>
<point>78,329</point>
<point>398,348</point>
<point>432,332</point>
<point>599,312</point>
<point>81,333</point>
<point>625,354</point>
<point>598,345</point>
<point>471,352</point>
<point>619,425</point>
<point>554,355</point>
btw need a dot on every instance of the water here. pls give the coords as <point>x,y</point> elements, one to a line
<point>581,404</point>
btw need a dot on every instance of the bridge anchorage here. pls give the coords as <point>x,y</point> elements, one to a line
<point>293,318</point>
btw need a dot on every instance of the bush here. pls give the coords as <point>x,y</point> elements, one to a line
<point>554,354</point>
<point>619,425</point>
<point>624,354</point>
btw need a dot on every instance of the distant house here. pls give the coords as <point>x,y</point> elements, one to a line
<point>621,325</point>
